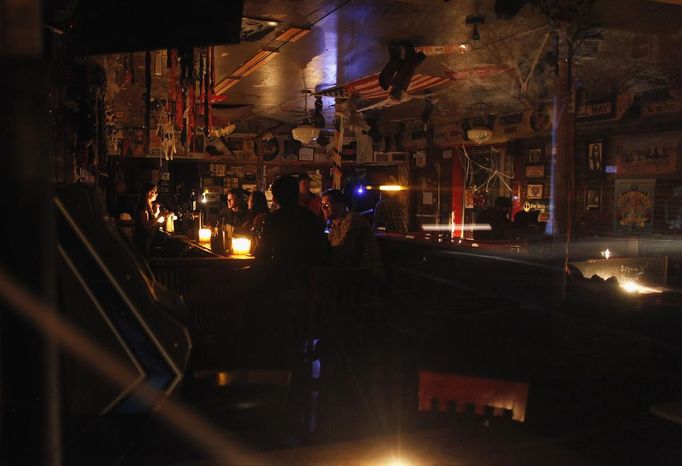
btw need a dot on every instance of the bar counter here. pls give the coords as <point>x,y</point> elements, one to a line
<point>532,276</point>
<point>214,286</point>
<point>514,271</point>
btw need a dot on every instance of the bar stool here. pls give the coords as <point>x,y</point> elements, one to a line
<point>342,321</point>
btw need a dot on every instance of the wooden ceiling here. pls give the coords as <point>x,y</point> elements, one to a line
<point>317,44</point>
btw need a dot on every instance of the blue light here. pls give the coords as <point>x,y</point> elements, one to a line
<point>360,190</point>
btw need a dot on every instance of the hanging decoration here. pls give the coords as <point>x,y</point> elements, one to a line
<point>335,156</point>
<point>472,168</point>
<point>166,132</point>
<point>147,99</point>
<point>192,102</point>
<point>186,96</point>
<point>211,88</point>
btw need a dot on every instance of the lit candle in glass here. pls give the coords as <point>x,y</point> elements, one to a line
<point>205,235</point>
<point>241,246</point>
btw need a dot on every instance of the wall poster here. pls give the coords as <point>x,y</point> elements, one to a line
<point>595,159</point>
<point>634,206</point>
<point>653,154</point>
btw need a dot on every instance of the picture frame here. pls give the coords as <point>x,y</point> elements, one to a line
<point>634,205</point>
<point>595,159</point>
<point>306,154</point>
<point>534,191</point>
<point>650,154</point>
<point>535,155</point>
<point>592,198</point>
<point>535,171</point>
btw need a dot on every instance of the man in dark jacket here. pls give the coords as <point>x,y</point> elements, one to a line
<point>293,239</point>
<point>497,218</point>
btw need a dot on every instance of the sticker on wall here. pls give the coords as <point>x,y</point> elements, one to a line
<point>403,175</point>
<point>469,198</point>
<point>420,158</point>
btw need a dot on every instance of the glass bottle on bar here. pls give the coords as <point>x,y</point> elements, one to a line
<point>193,201</point>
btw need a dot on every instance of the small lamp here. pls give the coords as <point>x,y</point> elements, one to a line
<point>480,131</point>
<point>241,246</point>
<point>205,235</point>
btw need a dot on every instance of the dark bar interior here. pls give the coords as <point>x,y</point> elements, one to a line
<point>350,232</point>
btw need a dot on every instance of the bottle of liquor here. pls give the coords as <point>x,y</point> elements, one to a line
<point>219,237</point>
<point>193,200</point>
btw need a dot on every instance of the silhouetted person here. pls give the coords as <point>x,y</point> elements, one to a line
<point>497,217</point>
<point>292,240</point>
<point>526,225</point>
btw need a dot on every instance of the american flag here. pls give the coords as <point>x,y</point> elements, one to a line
<point>368,87</point>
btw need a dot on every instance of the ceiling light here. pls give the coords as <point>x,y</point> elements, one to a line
<point>305,132</point>
<point>480,134</point>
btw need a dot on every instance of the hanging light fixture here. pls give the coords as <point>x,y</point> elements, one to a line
<point>305,132</point>
<point>479,133</point>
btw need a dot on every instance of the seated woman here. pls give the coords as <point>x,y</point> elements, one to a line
<point>146,220</point>
<point>255,217</point>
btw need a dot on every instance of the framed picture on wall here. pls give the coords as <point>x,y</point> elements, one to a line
<point>535,171</point>
<point>592,198</point>
<point>306,154</point>
<point>595,159</point>
<point>634,205</point>
<point>534,191</point>
<point>653,154</point>
<point>535,155</point>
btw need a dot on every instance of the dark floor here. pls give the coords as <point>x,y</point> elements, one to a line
<point>592,381</point>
